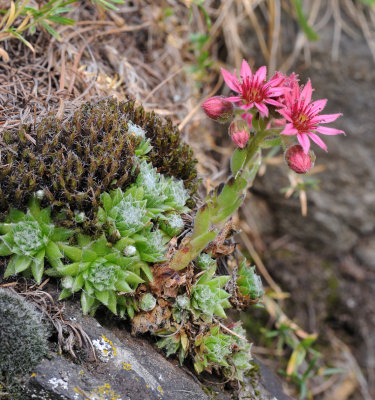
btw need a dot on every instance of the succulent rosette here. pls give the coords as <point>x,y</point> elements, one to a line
<point>30,239</point>
<point>151,245</point>
<point>99,270</point>
<point>207,296</point>
<point>124,214</point>
<point>248,282</point>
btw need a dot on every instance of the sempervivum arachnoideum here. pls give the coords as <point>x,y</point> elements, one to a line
<point>30,238</point>
<point>99,270</point>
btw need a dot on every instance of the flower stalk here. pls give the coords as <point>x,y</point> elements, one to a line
<point>223,202</point>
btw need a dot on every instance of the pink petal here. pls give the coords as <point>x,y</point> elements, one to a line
<point>277,79</point>
<point>245,70</point>
<point>285,114</point>
<point>307,92</point>
<point>304,142</point>
<point>262,109</point>
<point>289,130</point>
<point>231,80</point>
<point>318,141</point>
<point>247,106</point>
<point>325,118</point>
<point>261,74</point>
<point>317,106</point>
<point>233,99</point>
<point>328,131</point>
<point>248,117</point>
<point>277,91</point>
<point>273,102</point>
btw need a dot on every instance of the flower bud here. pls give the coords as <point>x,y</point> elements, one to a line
<point>297,160</point>
<point>238,131</point>
<point>218,108</point>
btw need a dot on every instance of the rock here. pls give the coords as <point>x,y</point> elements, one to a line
<point>129,368</point>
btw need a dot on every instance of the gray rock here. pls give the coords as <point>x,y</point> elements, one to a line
<point>129,368</point>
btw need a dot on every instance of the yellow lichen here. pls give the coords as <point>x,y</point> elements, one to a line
<point>160,390</point>
<point>114,351</point>
<point>105,392</point>
<point>126,366</point>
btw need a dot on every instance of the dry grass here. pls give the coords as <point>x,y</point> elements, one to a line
<point>142,52</point>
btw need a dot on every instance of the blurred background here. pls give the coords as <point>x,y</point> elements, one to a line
<point>312,238</point>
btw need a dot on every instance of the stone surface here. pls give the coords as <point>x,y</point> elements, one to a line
<point>129,368</point>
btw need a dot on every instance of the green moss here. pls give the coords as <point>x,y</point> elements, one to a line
<point>23,338</point>
<point>75,160</point>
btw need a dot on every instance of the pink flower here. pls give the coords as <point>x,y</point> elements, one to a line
<point>303,119</point>
<point>297,160</point>
<point>239,133</point>
<point>218,108</point>
<point>253,90</point>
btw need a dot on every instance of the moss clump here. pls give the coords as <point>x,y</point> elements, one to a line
<point>23,338</point>
<point>74,161</point>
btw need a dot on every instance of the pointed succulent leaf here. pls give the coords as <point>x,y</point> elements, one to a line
<point>65,293</point>
<point>87,302</point>
<point>5,228</point>
<point>4,249</point>
<point>15,216</point>
<point>73,253</point>
<point>61,234</point>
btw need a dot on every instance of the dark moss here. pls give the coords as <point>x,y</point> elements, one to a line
<point>75,160</point>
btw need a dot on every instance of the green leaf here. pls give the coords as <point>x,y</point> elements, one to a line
<point>65,293</point>
<point>202,221</point>
<point>37,266</point>
<point>200,242</point>
<point>61,20</point>
<point>73,253</point>
<point>310,33</point>
<point>53,253</point>
<point>89,255</point>
<point>87,302</point>
<point>45,216</point>
<point>238,159</point>
<point>133,278</point>
<point>107,201</point>
<point>17,264</point>
<point>218,310</point>
<point>15,216</point>
<point>50,30</point>
<point>78,283</point>
<point>122,286</point>
<point>100,246</point>
<point>34,207</point>
<point>112,302</point>
<point>64,270</point>
<point>83,240</point>
<point>219,281</point>
<point>61,234</point>
<point>147,271</point>
<point>102,296</point>
<point>4,249</point>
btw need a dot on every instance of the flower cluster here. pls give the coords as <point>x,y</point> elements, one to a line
<point>281,103</point>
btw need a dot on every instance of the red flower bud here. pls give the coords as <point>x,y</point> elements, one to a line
<point>218,108</point>
<point>239,132</point>
<point>297,160</point>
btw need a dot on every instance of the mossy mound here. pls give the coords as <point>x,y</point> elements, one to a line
<point>75,160</point>
<point>23,338</point>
